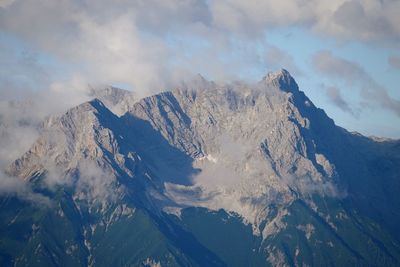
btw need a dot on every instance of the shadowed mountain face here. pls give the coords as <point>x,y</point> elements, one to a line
<point>204,175</point>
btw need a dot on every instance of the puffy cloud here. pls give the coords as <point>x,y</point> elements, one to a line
<point>145,44</point>
<point>152,44</point>
<point>253,17</point>
<point>354,75</point>
<point>367,20</point>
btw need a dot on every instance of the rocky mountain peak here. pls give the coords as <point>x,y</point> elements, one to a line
<point>283,80</point>
<point>83,132</point>
<point>261,154</point>
<point>115,99</point>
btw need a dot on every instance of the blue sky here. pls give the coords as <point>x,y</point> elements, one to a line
<point>344,54</point>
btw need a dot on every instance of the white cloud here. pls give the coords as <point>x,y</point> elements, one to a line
<point>142,43</point>
<point>366,20</point>
<point>12,186</point>
<point>95,183</point>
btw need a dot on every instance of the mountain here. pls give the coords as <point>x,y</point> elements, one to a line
<point>203,175</point>
<point>115,99</point>
<point>20,127</point>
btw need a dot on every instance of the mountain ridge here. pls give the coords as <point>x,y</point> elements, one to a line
<point>260,156</point>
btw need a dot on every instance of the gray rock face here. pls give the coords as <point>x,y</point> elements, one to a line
<point>115,99</point>
<point>252,144</point>
<point>240,147</point>
<point>80,133</point>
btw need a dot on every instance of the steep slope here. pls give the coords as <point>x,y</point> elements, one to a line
<point>21,119</point>
<point>263,148</point>
<point>252,144</point>
<point>209,175</point>
<point>98,190</point>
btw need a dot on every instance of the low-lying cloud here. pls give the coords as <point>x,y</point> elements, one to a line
<point>96,184</point>
<point>12,186</point>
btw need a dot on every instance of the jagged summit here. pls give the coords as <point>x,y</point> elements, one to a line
<point>116,99</point>
<point>273,75</point>
<point>283,80</point>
